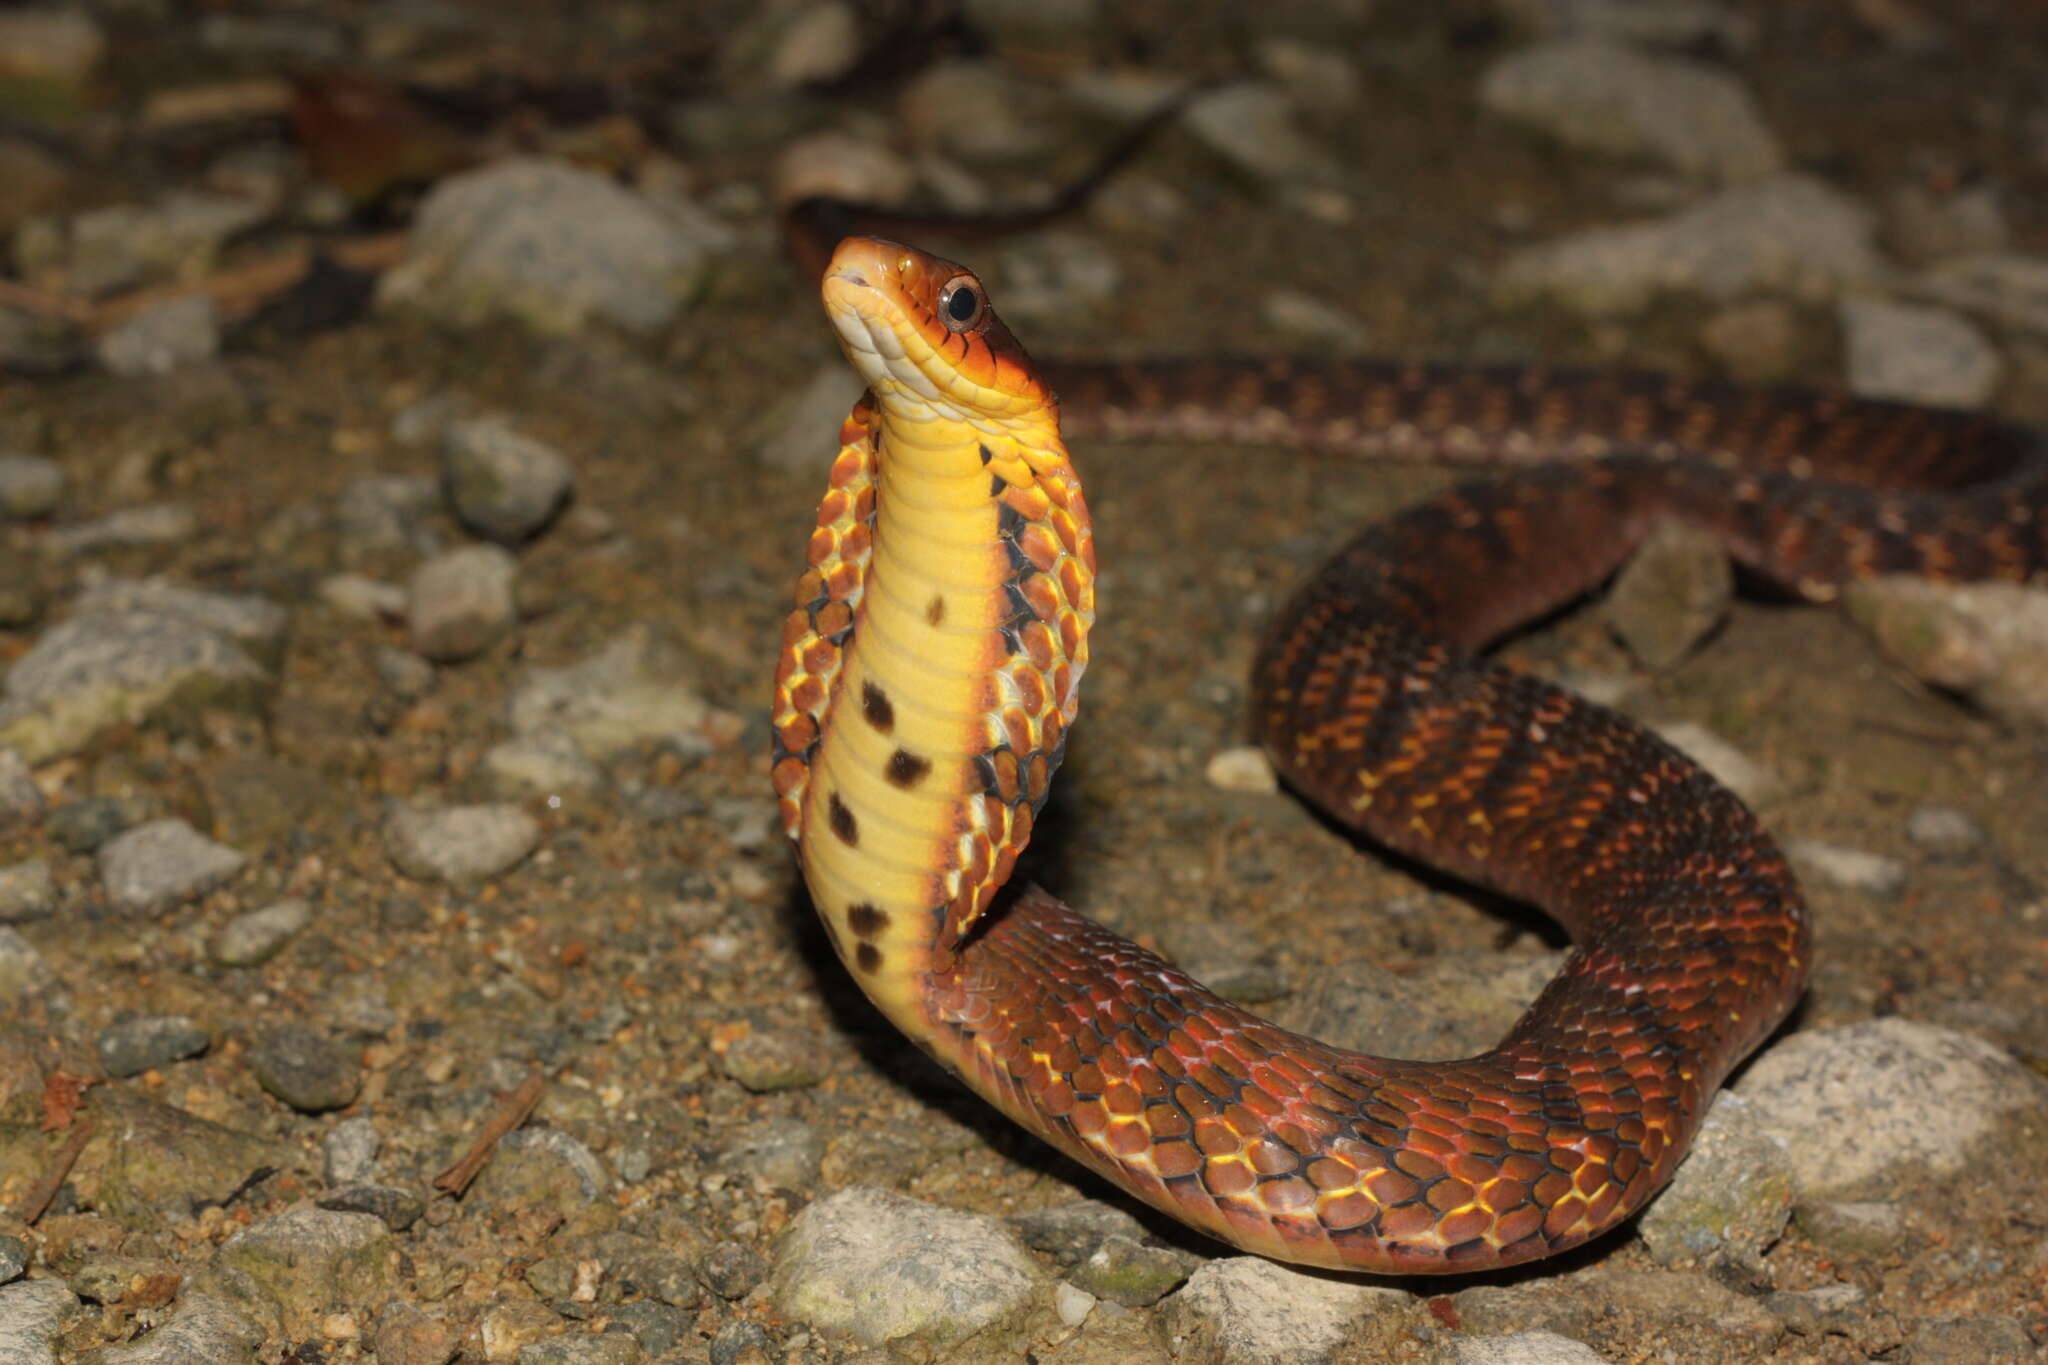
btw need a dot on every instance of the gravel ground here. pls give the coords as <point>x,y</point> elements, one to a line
<point>397,959</point>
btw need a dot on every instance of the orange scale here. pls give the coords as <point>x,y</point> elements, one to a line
<point>1197,1104</point>
<point>1341,1212</point>
<point>1260,1103</point>
<point>1567,1159</point>
<point>820,655</point>
<point>1564,1217</point>
<point>1527,1169</point>
<point>1498,1196</point>
<point>1603,1205</point>
<point>857,540</point>
<point>808,695</point>
<point>1212,1081</point>
<point>1630,1130</point>
<point>1225,1179</point>
<point>1297,1138</point>
<point>1128,1139</point>
<point>864,504</point>
<point>1039,647</point>
<point>1626,1166</point>
<point>1418,1165</point>
<point>1432,1144</point>
<point>789,775</point>
<point>1270,1079</point>
<point>1551,1188</point>
<point>1214,1138</point>
<point>1057,1099</point>
<point>1470,1169</point>
<point>1088,1118</point>
<point>1073,580</point>
<point>1166,1122</point>
<point>1448,1194</point>
<point>1327,1174</point>
<point>797,624</point>
<point>1601,1148</point>
<point>1122,1100</point>
<point>1172,1159</point>
<point>1287,1196</point>
<point>1408,1221</point>
<point>836,504</point>
<point>1088,1079</point>
<point>1271,1158</point>
<point>1391,1187</point>
<point>1168,1062</point>
<point>1591,1177</point>
<point>843,581</point>
<point>1070,637</point>
<point>1466,1225</point>
<point>1149,1082</point>
<point>1518,1225</point>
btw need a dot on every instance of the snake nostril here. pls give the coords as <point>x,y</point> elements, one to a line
<point>854,278</point>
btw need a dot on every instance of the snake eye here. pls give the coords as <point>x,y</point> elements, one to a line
<point>961,306</point>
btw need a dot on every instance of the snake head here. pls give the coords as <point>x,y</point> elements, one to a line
<point>921,332</point>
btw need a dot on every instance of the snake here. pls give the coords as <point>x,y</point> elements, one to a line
<point>928,682</point>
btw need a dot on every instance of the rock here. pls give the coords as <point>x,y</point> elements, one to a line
<point>731,1270</point>
<point>305,1068</point>
<point>1313,320</point>
<point>1056,274</point>
<point>134,1044</point>
<point>252,939</point>
<point>26,892</point>
<point>397,1208</point>
<point>378,513</point>
<point>22,970</point>
<point>504,485</point>
<point>1604,97</point>
<point>1524,1348</point>
<point>977,110</point>
<point>1242,1310</point>
<point>877,1266</point>
<point>256,623</point>
<point>31,1313</point>
<point>1912,353</point>
<point>407,1335</point>
<point>30,486</point>
<point>634,690</point>
<point>156,1163</point>
<point>1944,832</point>
<point>1972,1339</point>
<point>1852,869</point>
<point>85,825</point>
<point>1072,1304</point>
<point>461,602</point>
<point>1754,342</point>
<point>14,1257</point>
<point>1857,1104</point>
<point>544,1164</point>
<point>459,843</point>
<point>776,1153</point>
<point>1852,1227</point>
<point>314,1262</point>
<point>161,864</point>
<point>161,338</point>
<point>348,1154</point>
<point>1725,763</point>
<point>1671,594</point>
<point>817,42</point>
<point>1071,1232</point>
<point>205,1329</point>
<point>21,800</point>
<point>838,165</point>
<point>178,237</point>
<point>162,523</point>
<point>1251,125</point>
<point>1242,768</point>
<point>93,672</point>
<point>1988,641</point>
<point>1731,1198</point>
<point>796,435</point>
<point>772,1060</point>
<point>1836,1308</point>
<point>363,598</point>
<point>1131,1273</point>
<point>2005,287</point>
<point>34,345</point>
<point>1453,1007</point>
<point>546,245</point>
<point>544,763</point>
<point>1789,234</point>
<point>740,1343</point>
<point>1924,223</point>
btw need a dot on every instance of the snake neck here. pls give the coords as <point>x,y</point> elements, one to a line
<point>929,673</point>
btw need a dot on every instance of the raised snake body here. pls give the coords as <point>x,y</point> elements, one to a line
<point>929,675</point>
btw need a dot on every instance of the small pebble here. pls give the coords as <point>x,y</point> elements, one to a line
<point>776,1153</point>
<point>732,1269</point>
<point>254,938</point>
<point>22,970</point>
<point>399,1208</point>
<point>459,843</point>
<point>155,866</point>
<point>26,892</point>
<point>740,1343</point>
<point>30,486</point>
<point>1852,869</point>
<point>305,1068</point>
<point>131,1046</point>
<point>21,800</point>
<point>771,1060</point>
<point>1242,768</point>
<point>84,825</point>
<point>544,763</point>
<point>162,338</point>
<point>348,1154</point>
<point>461,602</point>
<point>362,597</point>
<point>504,485</point>
<point>1073,1304</point>
<point>13,1257</point>
<point>1944,831</point>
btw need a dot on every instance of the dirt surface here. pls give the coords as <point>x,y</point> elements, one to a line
<point>661,922</point>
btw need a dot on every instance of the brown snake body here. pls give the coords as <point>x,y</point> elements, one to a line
<point>930,671</point>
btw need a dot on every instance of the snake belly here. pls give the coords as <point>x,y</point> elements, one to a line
<point>929,674</point>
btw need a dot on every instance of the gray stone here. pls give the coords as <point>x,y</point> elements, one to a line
<point>130,1046</point>
<point>22,970</point>
<point>1926,223</point>
<point>1604,97</point>
<point>1852,869</point>
<point>205,1331</point>
<point>1859,1104</point>
<point>362,597</point>
<point>462,602</point>
<point>1645,23</point>
<point>978,110</point>
<point>314,1262</point>
<point>1243,1310</point>
<point>406,1334</point>
<point>658,1327</point>
<point>1851,1227</point>
<point>731,1270</point>
<point>1056,274</point>
<point>1837,1308</point>
<point>1790,234</point>
<point>398,1208</point>
<point>2004,287</point>
<point>459,843</point>
<point>1524,1348</point>
<point>163,863</point>
<point>1071,1232</point>
<point>1944,831</point>
<point>542,763</point>
<point>1452,1007</point>
<point>1725,763</point>
<point>14,1257</point>
<point>1988,641</point>
<point>30,486</point>
<point>504,485</point>
<point>558,1149</point>
<point>877,1266</point>
<point>773,1060</point>
<point>1671,595</point>
<point>775,1153</point>
<point>385,512</point>
<point>1130,1272</point>
<point>252,939</point>
<point>162,338</point>
<point>546,245</point>
<point>634,690</point>
<point>21,800</point>
<point>93,672</point>
<point>154,524</point>
<point>158,1162</point>
<point>85,825</point>
<point>1241,768</point>
<point>104,250</point>
<point>257,623</point>
<point>1972,1339</point>
<point>1251,125</point>
<point>1731,1198</point>
<point>740,1343</point>
<point>31,1314</point>
<point>348,1154</point>
<point>26,892</point>
<point>1912,353</point>
<point>305,1068</point>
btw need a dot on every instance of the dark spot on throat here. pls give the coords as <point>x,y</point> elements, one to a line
<point>996,485</point>
<point>842,821</point>
<point>987,454</point>
<point>875,705</point>
<point>935,611</point>
<point>869,957</point>
<point>867,920</point>
<point>906,769</point>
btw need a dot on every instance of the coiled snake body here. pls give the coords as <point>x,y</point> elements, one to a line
<point>929,674</point>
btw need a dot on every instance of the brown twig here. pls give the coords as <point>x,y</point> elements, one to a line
<point>512,1112</point>
<point>35,1201</point>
